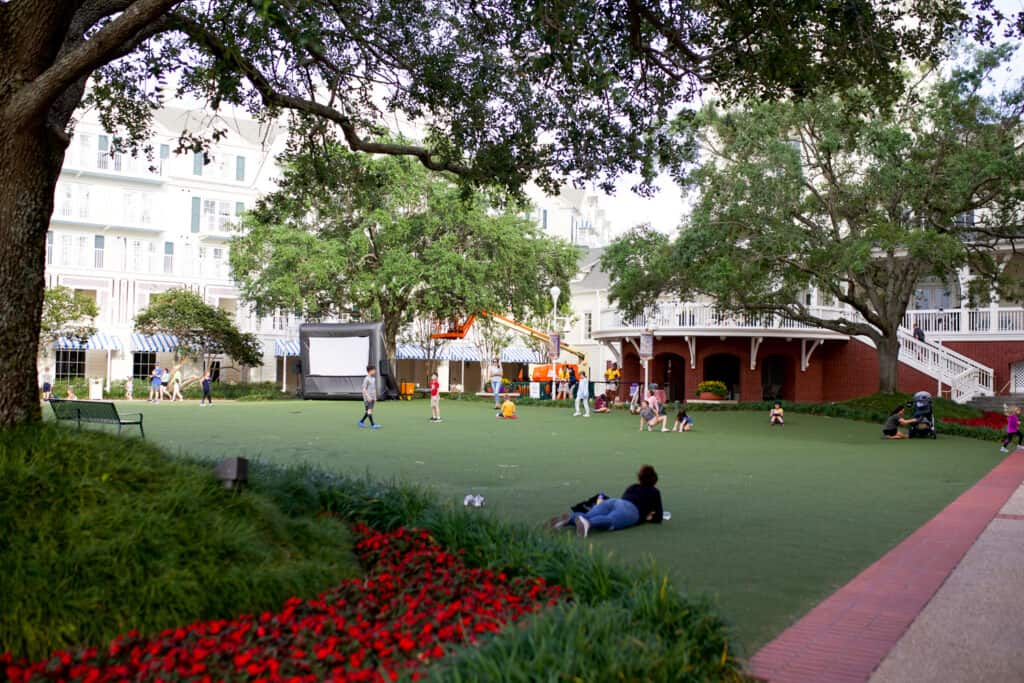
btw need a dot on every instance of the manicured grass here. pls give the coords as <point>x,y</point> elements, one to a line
<point>99,536</point>
<point>768,521</point>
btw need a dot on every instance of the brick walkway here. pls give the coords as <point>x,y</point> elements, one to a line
<point>846,636</point>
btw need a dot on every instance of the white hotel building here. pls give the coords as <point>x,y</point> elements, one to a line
<point>125,228</point>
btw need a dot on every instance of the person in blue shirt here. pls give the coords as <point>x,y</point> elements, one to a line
<point>207,398</point>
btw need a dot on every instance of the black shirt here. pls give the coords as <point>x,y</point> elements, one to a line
<point>647,500</point>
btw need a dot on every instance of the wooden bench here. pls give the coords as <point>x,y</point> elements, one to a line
<point>95,412</point>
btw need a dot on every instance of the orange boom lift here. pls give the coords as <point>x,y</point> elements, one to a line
<point>540,373</point>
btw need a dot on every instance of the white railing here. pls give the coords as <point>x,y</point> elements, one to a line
<point>680,316</point>
<point>966,378</point>
<point>963,322</point>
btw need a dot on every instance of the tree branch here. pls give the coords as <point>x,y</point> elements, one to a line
<point>272,96</point>
<point>34,98</point>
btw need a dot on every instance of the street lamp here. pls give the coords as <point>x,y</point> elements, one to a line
<point>555,291</point>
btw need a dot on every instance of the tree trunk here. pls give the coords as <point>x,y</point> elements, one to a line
<point>30,162</point>
<point>888,363</point>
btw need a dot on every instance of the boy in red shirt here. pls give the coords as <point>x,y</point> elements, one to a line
<point>435,399</point>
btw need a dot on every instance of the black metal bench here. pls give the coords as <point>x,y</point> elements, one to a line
<point>94,412</point>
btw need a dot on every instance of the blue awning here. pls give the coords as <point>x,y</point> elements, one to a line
<point>154,343</point>
<point>288,347</point>
<point>101,341</point>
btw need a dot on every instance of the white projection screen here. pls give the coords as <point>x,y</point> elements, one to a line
<point>338,356</point>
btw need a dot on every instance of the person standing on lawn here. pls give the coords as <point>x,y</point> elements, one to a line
<point>207,398</point>
<point>129,388</point>
<point>435,399</point>
<point>369,397</point>
<point>495,373</point>
<point>154,385</point>
<point>176,386</point>
<point>582,395</point>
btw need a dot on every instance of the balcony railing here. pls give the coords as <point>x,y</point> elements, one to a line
<point>964,322</point>
<point>692,317</point>
<point>1006,323</point>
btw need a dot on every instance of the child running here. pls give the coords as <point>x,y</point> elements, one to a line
<point>508,410</point>
<point>776,415</point>
<point>684,423</point>
<point>650,418</point>
<point>1013,429</point>
<point>369,397</point>
<point>435,399</point>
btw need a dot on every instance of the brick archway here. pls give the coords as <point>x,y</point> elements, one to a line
<point>724,367</point>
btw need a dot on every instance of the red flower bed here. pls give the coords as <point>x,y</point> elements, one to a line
<point>988,419</point>
<point>416,602</point>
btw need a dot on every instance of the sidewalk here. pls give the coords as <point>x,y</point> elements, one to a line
<point>973,629</point>
<point>846,637</point>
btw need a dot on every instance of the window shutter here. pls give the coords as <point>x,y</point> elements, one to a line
<point>197,163</point>
<point>544,219</point>
<point>239,208</point>
<point>165,151</point>
<point>104,143</point>
<point>196,204</point>
<point>169,248</point>
<point>239,168</point>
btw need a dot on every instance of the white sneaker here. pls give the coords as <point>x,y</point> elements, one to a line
<point>582,526</point>
<point>575,414</point>
<point>1003,450</point>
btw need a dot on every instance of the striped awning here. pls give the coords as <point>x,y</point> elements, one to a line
<point>101,341</point>
<point>468,353</point>
<point>521,354</point>
<point>287,347</point>
<point>156,343</point>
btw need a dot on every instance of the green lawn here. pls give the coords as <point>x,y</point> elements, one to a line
<point>768,521</point>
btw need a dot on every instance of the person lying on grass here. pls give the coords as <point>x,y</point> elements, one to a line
<point>640,503</point>
<point>891,430</point>
<point>650,418</point>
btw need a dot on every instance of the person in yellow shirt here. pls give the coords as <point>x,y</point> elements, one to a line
<point>508,410</point>
<point>563,384</point>
<point>612,375</point>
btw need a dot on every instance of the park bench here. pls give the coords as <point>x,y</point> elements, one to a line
<point>94,412</point>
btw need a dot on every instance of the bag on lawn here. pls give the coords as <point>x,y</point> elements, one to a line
<point>586,505</point>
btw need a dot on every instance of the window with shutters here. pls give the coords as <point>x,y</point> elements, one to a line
<point>65,200</point>
<point>98,251</point>
<point>169,257</point>
<point>588,325</point>
<point>49,248</point>
<point>217,214</point>
<point>66,245</point>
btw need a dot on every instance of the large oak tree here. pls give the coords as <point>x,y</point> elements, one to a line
<point>841,195</point>
<point>505,89</point>
<point>359,237</point>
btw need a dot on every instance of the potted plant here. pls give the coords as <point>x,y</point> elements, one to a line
<point>712,390</point>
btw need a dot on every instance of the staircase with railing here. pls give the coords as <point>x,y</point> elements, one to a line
<point>965,377</point>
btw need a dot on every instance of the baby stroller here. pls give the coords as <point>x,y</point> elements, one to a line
<point>924,419</point>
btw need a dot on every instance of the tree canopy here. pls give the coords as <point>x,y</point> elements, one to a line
<point>203,331</point>
<point>837,194</point>
<point>352,236</point>
<point>67,315</point>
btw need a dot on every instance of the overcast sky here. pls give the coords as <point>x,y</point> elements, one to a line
<point>663,211</point>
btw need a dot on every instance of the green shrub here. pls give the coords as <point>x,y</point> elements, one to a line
<point>712,386</point>
<point>671,636</point>
<point>100,535</point>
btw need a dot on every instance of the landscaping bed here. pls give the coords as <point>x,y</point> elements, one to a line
<point>441,590</point>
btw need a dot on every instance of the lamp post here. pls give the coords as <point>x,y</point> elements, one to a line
<point>555,291</point>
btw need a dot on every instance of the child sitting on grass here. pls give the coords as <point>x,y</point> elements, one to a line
<point>508,410</point>
<point>684,423</point>
<point>650,418</point>
<point>775,416</point>
<point>601,404</point>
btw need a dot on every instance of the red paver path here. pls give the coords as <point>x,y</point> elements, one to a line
<point>848,634</point>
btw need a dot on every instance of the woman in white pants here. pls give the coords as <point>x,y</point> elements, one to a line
<point>582,394</point>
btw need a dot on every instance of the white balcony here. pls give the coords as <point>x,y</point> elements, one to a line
<point>968,324</point>
<point>674,318</point>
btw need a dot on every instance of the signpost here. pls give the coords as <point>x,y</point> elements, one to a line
<point>646,354</point>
